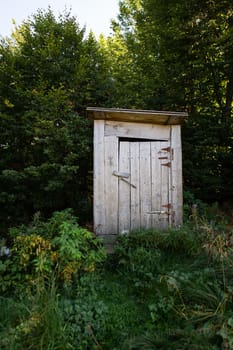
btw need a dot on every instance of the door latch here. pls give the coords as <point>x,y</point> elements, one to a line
<point>123,176</point>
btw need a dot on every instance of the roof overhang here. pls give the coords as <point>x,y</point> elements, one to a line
<point>137,116</point>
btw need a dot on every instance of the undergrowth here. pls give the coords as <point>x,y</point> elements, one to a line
<point>159,290</point>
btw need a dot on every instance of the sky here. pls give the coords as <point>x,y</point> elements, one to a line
<point>95,14</point>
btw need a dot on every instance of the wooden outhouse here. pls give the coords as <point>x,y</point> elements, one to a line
<point>137,170</point>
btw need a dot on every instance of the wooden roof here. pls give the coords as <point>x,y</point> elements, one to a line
<point>135,115</point>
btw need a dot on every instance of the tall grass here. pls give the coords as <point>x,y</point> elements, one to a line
<point>34,321</point>
<point>159,290</point>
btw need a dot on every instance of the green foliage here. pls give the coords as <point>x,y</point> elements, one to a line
<point>159,290</point>
<point>85,316</point>
<point>174,240</point>
<point>139,257</point>
<point>190,301</point>
<point>49,73</point>
<point>38,325</point>
<point>77,250</point>
<point>178,56</point>
<point>102,314</point>
<point>59,247</point>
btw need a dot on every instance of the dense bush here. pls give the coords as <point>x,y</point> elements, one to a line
<point>59,247</point>
<point>49,72</point>
<point>159,290</point>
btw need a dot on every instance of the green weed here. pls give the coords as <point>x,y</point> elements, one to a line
<point>159,290</point>
<point>59,247</point>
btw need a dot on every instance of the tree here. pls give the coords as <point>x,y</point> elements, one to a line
<point>184,53</point>
<point>48,74</point>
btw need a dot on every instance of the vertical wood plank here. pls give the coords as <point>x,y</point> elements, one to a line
<point>156,175</point>
<point>145,185</point>
<point>111,185</point>
<point>135,192</point>
<point>98,203</point>
<point>124,188</point>
<point>177,188</point>
<point>164,184</point>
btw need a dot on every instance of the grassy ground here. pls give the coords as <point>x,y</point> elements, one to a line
<point>170,290</point>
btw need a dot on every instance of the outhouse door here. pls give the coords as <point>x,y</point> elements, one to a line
<point>137,170</point>
<point>144,184</point>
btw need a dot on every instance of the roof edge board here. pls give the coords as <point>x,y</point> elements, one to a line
<point>136,115</point>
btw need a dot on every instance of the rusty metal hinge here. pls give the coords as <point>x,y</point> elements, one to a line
<point>166,149</point>
<point>168,206</point>
<point>163,157</point>
<point>170,150</point>
<point>167,164</point>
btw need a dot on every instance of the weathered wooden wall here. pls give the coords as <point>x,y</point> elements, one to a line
<point>137,176</point>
